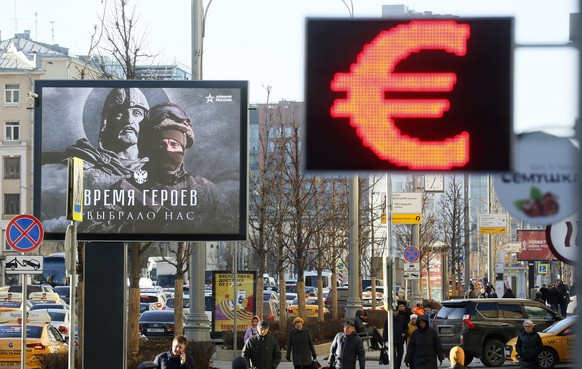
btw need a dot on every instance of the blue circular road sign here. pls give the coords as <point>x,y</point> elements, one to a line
<point>24,233</point>
<point>411,254</point>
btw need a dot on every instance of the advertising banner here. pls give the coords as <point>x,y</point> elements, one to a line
<point>224,300</point>
<point>533,245</point>
<point>163,160</point>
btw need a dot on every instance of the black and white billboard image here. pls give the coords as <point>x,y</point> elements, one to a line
<point>163,160</point>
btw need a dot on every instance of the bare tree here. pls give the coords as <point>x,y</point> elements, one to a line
<point>181,255</point>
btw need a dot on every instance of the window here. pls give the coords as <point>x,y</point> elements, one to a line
<point>11,203</point>
<point>12,131</point>
<point>511,311</point>
<point>536,312</point>
<point>11,168</point>
<point>488,309</point>
<point>11,94</point>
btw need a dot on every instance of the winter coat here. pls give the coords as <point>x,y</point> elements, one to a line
<point>424,347</point>
<point>400,330</point>
<point>553,295</point>
<point>411,329</point>
<point>301,345</point>
<point>262,352</point>
<point>528,347</point>
<point>359,321</point>
<point>345,350</point>
<point>166,360</point>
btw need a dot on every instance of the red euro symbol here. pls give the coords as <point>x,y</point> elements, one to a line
<point>373,75</point>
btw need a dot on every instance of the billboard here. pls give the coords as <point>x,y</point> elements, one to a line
<point>163,160</point>
<point>533,245</point>
<point>225,306</point>
<point>409,94</point>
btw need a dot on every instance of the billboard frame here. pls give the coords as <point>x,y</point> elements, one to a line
<point>235,120</point>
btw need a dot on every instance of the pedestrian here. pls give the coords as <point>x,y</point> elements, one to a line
<point>508,294</point>
<point>457,358</point>
<point>417,309</point>
<point>528,346</point>
<point>399,333</point>
<point>404,311</point>
<point>430,314</point>
<point>554,298</point>
<point>262,350</point>
<point>482,294</point>
<point>539,297</point>
<point>347,348</point>
<point>470,294</point>
<point>176,358</point>
<point>564,298</point>
<point>253,329</point>
<point>544,291</point>
<point>411,326</point>
<point>424,346</point>
<point>363,328</point>
<point>301,345</point>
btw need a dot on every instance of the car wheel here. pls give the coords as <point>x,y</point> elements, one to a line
<point>493,353</point>
<point>548,358</point>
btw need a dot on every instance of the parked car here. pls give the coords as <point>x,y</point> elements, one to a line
<point>157,300</point>
<point>311,308</point>
<point>289,297</point>
<point>60,319</point>
<point>558,344</point>
<point>342,298</point>
<point>157,323</point>
<point>482,326</point>
<point>270,310</point>
<point>49,306</point>
<point>63,292</point>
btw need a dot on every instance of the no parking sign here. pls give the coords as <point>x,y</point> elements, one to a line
<point>24,233</point>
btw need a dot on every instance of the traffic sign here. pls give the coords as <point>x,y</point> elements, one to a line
<point>406,218</point>
<point>24,233</point>
<point>412,267</point>
<point>411,254</point>
<point>24,264</point>
<point>543,268</point>
<point>412,275</point>
<point>561,238</point>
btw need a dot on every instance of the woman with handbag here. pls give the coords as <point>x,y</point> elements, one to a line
<point>301,346</point>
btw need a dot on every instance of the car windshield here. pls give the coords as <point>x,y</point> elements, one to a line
<point>148,299</point>
<point>14,331</point>
<point>559,326</point>
<point>57,316</point>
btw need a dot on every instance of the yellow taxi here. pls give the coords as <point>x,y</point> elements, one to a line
<point>311,308</point>
<point>41,339</point>
<point>558,344</point>
<point>11,301</point>
<point>45,298</point>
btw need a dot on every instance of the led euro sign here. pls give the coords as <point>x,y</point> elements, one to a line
<point>371,80</point>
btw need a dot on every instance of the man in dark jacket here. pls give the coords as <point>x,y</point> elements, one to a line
<point>346,348</point>
<point>363,329</point>
<point>404,311</point>
<point>554,298</point>
<point>262,351</point>
<point>544,291</point>
<point>528,346</point>
<point>399,332</point>
<point>564,297</point>
<point>301,345</point>
<point>424,346</point>
<point>176,358</point>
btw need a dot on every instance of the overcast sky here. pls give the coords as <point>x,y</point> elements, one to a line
<point>262,41</point>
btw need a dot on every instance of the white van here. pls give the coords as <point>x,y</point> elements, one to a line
<point>311,280</point>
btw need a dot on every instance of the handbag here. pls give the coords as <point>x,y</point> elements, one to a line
<point>384,357</point>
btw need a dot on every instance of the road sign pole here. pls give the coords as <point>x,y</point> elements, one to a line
<point>72,291</point>
<point>23,325</point>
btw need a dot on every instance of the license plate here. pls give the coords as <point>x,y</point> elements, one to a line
<point>156,330</point>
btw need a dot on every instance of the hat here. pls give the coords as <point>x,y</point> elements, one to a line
<point>168,117</point>
<point>413,316</point>
<point>263,324</point>
<point>298,320</point>
<point>349,323</point>
<point>239,362</point>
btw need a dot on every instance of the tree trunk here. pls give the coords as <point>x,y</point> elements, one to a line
<point>133,313</point>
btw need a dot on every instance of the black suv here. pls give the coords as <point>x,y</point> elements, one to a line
<point>483,326</point>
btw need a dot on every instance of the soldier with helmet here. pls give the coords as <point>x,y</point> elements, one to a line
<point>117,155</point>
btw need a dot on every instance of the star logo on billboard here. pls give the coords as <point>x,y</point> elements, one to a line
<point>209,98</point>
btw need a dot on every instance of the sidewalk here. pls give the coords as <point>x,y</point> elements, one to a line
<point>372,358</point>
